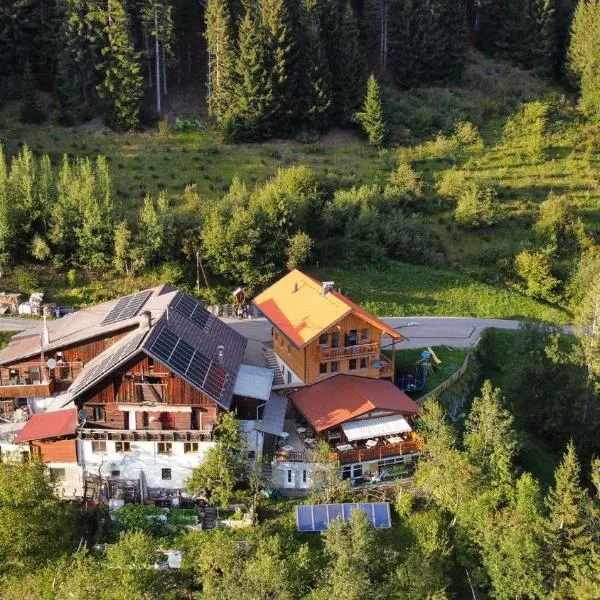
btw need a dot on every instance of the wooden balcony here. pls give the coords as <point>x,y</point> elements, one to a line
<point>357,455</point>
<point>349,351</point>
<point>27,390</point>
<point>146,435</point>
<point>387,368</point>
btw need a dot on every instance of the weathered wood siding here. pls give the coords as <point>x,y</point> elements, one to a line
<point>57,451</point>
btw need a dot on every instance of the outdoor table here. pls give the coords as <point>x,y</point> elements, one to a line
<point>370,443</point>
<point>394,439</point>
<point>310,441</point>
<point>287,448</point>
<point>301,430</point>
<point>343,447</point>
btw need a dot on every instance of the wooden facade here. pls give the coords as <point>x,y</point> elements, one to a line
<point>64,450</point>
<point>351,346</point>
<point>145,395</point>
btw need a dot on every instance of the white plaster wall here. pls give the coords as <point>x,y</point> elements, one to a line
<point>72,485</point>
<point>143,457</point>
<point>284,370</point>
<point>280,470</point>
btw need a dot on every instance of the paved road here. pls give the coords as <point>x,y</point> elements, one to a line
<point>419,332</point>
<point>16,324</point>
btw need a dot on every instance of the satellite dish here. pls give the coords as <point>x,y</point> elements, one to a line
<point>51,363</point>
<point>82,415</point>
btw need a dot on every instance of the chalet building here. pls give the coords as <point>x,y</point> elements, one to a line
<point>145,377</point>
<point>329,351</point>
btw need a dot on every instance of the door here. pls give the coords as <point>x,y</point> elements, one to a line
<point>289,480</point>
<point>131,420</point>
<point>197,418</point>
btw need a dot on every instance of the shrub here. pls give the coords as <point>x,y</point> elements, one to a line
<point>467,135</point>
<point>163,127</point>
<point>534,270</point>
<point>72,278</point>
<point>453,184</point>
<point>478,206</point>
<point>26,280</point>
<point>404,178</point>
<point>526,130</point>
<point>185,124</point>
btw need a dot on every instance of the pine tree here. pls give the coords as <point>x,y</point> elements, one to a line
<point>584,55</point>
<point>567,540</point>
<point>122,85</point>
<point>221,59</point>
<point>31,111</point>
<point>372,117</point>
<point>349,71</point>
<point>253,97</point>
<point>489,24</point>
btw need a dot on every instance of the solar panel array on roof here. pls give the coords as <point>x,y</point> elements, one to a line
<point>190,363</point>
<point>105,365</point>
<point>126,308</point>
<point>317,517</point>
<point>194,311</point>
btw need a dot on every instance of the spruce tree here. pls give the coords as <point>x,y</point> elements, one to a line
<point>31,111</point>
<point>371,117</point>
<point>221,59</point>
<point>584,55</point>
<point>122,85</point>
<point>566,535</point>
<point>489,24</point>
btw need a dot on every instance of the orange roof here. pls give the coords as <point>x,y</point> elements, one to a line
<point>296,306</point>
<point>49,425</point>
<point>345,397</point>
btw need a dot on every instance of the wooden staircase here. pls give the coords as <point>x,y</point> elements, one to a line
<point>272,363</point>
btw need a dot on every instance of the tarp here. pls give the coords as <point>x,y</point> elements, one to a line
<point>253,382</point>
<point>364,429</point>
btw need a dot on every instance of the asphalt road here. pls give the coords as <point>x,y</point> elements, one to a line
<point>16,324</point>
<point>419,332</point>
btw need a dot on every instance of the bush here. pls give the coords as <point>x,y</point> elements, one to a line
<point>478,206</point>
<point>26,280</point>
<point>453,184</point>
<point>526,130</point>
<point>534,270</point>
<point>163,127</point>
<point>186,124</point>
<point>467,135</point>
<point>404,178</point>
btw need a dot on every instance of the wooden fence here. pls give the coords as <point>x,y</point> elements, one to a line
<point>448,382</point>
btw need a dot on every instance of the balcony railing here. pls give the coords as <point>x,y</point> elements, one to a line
<point>358,455</point>
<point>146,435</point>
<point>349,351</point>
<point>26,389</point>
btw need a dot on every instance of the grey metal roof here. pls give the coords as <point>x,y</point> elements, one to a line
<point>254,382</point>
<point>273,415</point>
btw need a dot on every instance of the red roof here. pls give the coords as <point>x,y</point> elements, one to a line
<point>53,424</point>
<point>345,397</point>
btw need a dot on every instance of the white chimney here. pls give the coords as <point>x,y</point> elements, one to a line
<point>145,320</point>
<point>45,332</point>
<point>326,286</point>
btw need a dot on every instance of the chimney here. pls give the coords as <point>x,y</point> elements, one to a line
<point>145,320</point>
<point>220,354</point>
<point>295,287</point>
<point>326,287</point>
<point>45,332</point>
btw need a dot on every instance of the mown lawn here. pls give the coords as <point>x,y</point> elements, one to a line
<point>397,289</point>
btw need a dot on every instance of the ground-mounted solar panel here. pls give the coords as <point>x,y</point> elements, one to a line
<point>190,363</point>
<point>194,311</point>
<point>113,357</point>
<point>317,517</point>
<point>126,308</point>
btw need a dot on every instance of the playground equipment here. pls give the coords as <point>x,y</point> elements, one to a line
<point>416,381</point>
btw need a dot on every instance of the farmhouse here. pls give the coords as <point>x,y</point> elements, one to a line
<point>329,351</point>
<point>130,392</point>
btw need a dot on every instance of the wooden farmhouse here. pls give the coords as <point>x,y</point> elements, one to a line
<point>329,351</point>
<point>128,393</point>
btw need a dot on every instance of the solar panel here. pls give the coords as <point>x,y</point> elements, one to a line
<point>190,363</point>
<point>126,308</point>
<point>114,356</point>
<point>194,311</point>
<point>317,517</point>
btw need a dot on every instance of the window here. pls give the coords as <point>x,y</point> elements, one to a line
<point>34,375</point>
<point>363,363</point>
<point>164,447</point>
<point>352,364</point>
<point>352,471</point>
<point>324,340</point>
<point>322,368</point>
<point>115,473</point>
<point>289,476</point>
<point>334,435</point>
<point>357,471</point>
<point>335,339</point>
<point>145,419</point>
<point>189,447</point>
<point>335,366</point>
<point>166,474</point>
<point>98,413</point>
<point>150,363</point>
<point>364,335</point>
<point>122,447</point>
<point>289,377</point>
<point>351,338</point>
<point>303,475</point>
<point>98,447</point>
<point>57,475</point>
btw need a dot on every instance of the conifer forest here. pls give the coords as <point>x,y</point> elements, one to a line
<point>433,158</point>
